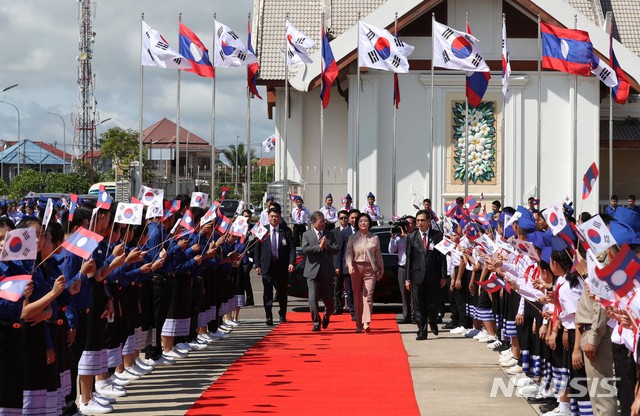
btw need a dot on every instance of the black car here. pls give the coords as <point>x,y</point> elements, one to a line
<point>386,290</point>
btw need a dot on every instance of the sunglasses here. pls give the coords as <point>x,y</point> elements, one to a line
<point>343,218</point>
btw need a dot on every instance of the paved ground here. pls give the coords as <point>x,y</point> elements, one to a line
<point>451,375</point>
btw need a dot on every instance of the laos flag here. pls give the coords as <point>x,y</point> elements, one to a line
<point>620,273</point>
<point>82,242</point>
<point>566,50</point>
<point>11,287</point>
<point>329,69</point>
<point>620,91</point>
<point>589,179</point>
<point>252,69</point>
<point>194,50</point>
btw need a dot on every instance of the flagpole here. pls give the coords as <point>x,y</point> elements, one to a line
<point>394,189</point>
<point>213,115</point>
<point>610,115</point>
<point>248,169</point>
<point>430,172</point>
<point>357,144</point>
<point>539,136</point>
<point>286,116</point>
<point>140,138</point>
<point>178,127</point>
<point>575,127</point>
<point>466,132</point>
<point>322,69</point>
<point>504,118</point>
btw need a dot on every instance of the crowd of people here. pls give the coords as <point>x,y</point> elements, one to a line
<point>150,290</point>
<point>538,294</point>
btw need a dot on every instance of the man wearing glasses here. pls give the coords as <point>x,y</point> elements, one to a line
<point>343,279</point>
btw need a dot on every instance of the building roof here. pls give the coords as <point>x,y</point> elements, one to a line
<point>623,130</point>
<point>266,161</point>
<point>626,18</point>
<point>48,147</point>
<point>31,153</point>
<point>162,134</point>
<point>269,23</point>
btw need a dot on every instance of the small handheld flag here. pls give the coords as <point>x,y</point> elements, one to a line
<point>597,234</point>
<point>104,199</point>
<point>127,213</point>
<point>151,196</point>
<point>187,221</point>
<point>73,204</point>
<point>223,224</point>
<point>620,273</point>
<point>260,231</point>
<point>11,287</point>
<point>20,244</point>
<point>82,243</point>
<point>589,180</point>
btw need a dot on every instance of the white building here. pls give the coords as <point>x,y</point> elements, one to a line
<point>425,162</point>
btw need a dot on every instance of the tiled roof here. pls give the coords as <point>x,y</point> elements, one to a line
<point>305,15</point>
<point>624,130</point>
<point>626,18</point>
<point>266,161</point>
<point>163,134</point>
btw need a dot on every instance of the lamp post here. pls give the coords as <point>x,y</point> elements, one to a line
<point>64,142</point>
<point>18,111</point>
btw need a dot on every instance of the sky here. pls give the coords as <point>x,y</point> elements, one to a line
<point>40,46</point>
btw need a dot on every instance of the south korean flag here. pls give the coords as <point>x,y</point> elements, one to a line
<point>377,48</point>
<point>457,50</point>
<point>230,51</point>
<point>298,45</point>
<point>157,52</point>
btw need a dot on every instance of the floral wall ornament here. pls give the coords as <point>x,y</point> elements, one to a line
<point>481,148</point>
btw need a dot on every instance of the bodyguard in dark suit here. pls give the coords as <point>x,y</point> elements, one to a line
<point>274,260</point>
<point>319,247</point>
<point>426,272</point>
<point>340,264</point>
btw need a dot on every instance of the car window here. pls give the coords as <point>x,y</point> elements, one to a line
<point>229,207</point>
<point>383,236</point>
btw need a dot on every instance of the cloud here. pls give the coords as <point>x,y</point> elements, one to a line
<point>41,46</point>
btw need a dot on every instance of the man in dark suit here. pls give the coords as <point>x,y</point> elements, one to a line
<point>319,247</point>
<point>426,272</point>
<point>343,279</point>
<point>274,260</point>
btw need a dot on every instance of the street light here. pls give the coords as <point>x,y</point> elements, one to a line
<point>64,142</point>
<point>18,111</point>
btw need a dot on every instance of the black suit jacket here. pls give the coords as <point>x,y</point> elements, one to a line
<point>286,251</point>
<point>425,267</point>
<point>340,259</point>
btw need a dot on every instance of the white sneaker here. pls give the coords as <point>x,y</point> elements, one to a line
<point>94,408</point>
<point>144,366</point>
<point>135,368</point>
<point>196,346</point>
<point>109,390</point>
<point>183,347</point>
<point>231,323</point>
<point>514,370</point>
<point>488,338</point>
<point>119,381</point>
<point>164,360</point>
<point>523,381</point>
<point>510,362</point>
<point>145,361</point>
<point>480,334</point>
<point>103,400</point>
<point>557,412</point>
<point>175,353</point>
<point>219,335</point>
<point>494,344</point>
<point>128,375</point>
<point>459,330</point>
<point>528,391</point>
<point>225,329</point>
<point>506,353</point>
<point>204,339</point>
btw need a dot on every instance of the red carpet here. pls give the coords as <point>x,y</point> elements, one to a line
<point>294,371</point>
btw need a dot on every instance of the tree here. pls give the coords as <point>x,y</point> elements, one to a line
<point>122,147</point>
<point>29,180</point>
<point>70,183</point>
<point>4,188</point>
<point>241,152</point>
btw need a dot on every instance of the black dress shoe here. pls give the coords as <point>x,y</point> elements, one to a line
<point>450,325</point>
<point>283,319</point>
<point>353,316</point>
<point>434,328</point>
<point>325,322</point>
<point>249,303</point>
<point>540,400</point>
<point>421,336</point>
<point>337,311</point>
<point>545,408</point>
<point>269,321</point>
<point>316,327</point>
<point>404,321</point>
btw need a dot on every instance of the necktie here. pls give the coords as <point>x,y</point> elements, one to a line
<point>424,241</point>
<point>274,244</point>
<point>319,235</point>
<point>299,210</point>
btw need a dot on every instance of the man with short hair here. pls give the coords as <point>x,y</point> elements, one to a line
<point>264,215</point>
<point>330,213</point>
<point>274,260</point>
<point>613,205</point>
<point>343,279</point>
<point>300,217</point>
<point>319,247</point>
<point>631,201</point>
<point>398,244</point>
<point>426,273</point>
<point>372,209</point>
